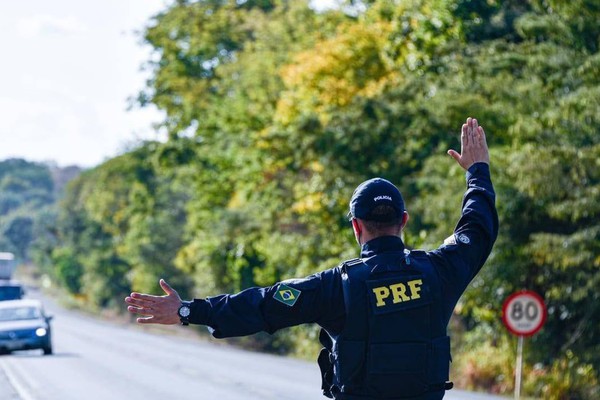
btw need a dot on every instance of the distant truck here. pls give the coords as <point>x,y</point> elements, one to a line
<point>9,288</point>
<point>7,265</point>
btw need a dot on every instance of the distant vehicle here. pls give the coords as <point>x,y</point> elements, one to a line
<point>24,326</point>
<point>7,265</point>
<point>11,290</point>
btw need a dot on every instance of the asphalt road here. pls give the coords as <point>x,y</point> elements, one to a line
<point>96,359</point>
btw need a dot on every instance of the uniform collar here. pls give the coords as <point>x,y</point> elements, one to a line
<point>380,245</point>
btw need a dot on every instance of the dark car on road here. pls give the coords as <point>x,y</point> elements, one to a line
<point>24,326</point>
<point>11,290</point>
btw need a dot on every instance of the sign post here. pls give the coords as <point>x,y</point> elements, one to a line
<point>523,314</point>
<point>519,371</point>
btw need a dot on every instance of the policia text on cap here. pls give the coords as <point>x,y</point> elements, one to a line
<point>383,315</point>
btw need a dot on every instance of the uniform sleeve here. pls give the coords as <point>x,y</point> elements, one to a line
<point>288,303</point>
<point>463,254</point>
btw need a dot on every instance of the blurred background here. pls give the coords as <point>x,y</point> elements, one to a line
<point>216,144</point>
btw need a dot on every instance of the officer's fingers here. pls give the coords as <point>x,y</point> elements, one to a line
<point>464,137</point>
<point>145,297</point>
<point>137,302</point>
<point>136,310</point>
<point>482,136</point>
<point>134,303</point>
<point>165,286</point>
<point>140,310</point>
<point>469,129</point>
<point>146,320</point>
<point>475,132</point>
<point>454,155</point>
<point>478,141</point>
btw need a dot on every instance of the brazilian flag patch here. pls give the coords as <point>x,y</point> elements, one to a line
<point>286,295</point>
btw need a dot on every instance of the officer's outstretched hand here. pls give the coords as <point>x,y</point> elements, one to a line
<point>157,309</point>
<point>473,146</point>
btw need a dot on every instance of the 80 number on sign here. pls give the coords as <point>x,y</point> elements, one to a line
<point>524,313</point>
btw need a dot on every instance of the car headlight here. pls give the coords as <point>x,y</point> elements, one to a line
<point>41,332</point>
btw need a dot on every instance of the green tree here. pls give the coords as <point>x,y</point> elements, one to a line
<point>25,188</point>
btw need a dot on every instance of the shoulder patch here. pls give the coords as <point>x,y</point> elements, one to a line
<point>287,295</point>
<point>464,238</point>
<point>455,239</point>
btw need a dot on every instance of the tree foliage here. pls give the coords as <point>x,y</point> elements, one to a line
<point>25,189</point>
<point>275,112</point>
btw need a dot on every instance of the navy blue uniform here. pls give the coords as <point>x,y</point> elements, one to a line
<point>319,298</point>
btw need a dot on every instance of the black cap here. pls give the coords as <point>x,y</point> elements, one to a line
<point>373,193</point>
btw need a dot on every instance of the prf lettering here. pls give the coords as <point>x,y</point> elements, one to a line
<point>400,292</point>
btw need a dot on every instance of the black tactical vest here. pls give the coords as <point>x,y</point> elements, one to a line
<point>394,343</point>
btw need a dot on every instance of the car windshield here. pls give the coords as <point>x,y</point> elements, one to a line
<point>18,313</point>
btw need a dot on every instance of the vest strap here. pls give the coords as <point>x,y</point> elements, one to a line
<point>355,269</point>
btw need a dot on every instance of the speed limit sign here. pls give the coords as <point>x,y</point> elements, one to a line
<point>524,313</point>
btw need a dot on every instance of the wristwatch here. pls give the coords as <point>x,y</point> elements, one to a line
<point>184,312</point>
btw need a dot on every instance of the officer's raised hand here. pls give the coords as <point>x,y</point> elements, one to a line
<point>473,146</point>
<point>157,309</point>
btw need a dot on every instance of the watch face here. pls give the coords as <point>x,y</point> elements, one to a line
<point>184,311</point>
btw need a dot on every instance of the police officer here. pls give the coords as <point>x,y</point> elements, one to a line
<point>383,315</point>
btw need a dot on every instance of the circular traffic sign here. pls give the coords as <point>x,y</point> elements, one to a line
<point>524,313</point>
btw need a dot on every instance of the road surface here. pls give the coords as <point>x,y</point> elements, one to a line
<point>97,359</point>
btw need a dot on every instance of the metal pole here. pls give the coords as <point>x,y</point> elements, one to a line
<point>519,368</point>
